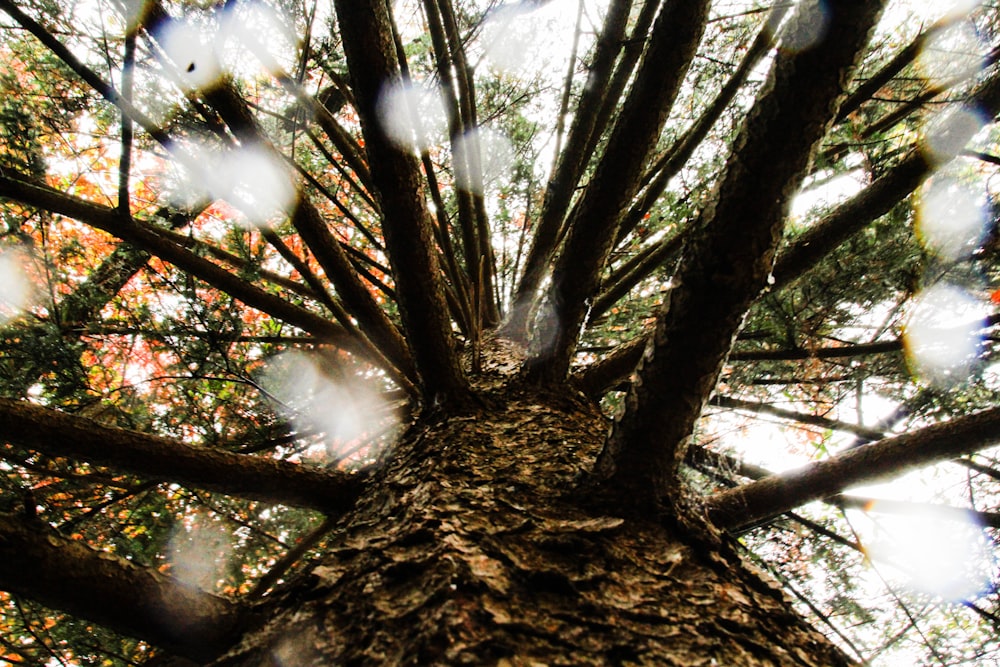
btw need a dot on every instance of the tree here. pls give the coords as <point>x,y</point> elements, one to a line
<point>300,377</point>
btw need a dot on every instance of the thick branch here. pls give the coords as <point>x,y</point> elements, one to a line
<point>680,152</point>
<point>59,434</point>
<point>887,458</point>
<point>571,162</point>
<point>406,224</point>
<point>64,574</point>
<point>888,190</point>
<point>593,229</point>
<point>729,257</point>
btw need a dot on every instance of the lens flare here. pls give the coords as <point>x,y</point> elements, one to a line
<point>190,47</point>
<point>413,116</point>
<point>15,290</point>
<point>936,553</point>
<point>320,399</point>
<point>199,553</point>
<point>943,336</point>
<point>481,157</point>
<point>951,218</point>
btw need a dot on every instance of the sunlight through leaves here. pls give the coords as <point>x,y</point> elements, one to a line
<point>15,290</point>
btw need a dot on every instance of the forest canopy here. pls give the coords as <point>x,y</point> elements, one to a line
<point>247,248</point>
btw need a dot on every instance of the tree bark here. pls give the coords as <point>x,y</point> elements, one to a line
<point>473,548</point>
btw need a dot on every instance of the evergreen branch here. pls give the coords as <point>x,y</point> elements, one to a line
<point>728,259</point>
<point>42,565</point>
<point>57,433</point>
<point>889,457</point>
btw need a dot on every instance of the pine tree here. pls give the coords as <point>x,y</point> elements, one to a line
<point>303,377</point>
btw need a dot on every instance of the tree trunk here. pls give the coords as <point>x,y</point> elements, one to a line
<point>476,546</point>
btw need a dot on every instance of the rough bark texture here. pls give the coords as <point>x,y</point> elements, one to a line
<point>472,547</point>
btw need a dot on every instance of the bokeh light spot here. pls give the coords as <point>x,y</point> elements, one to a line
<point>943,336</point>
<point>953,54</point>
<point>807,27</point>
<point>413,116</point>
<point>15,290</point>
<point>948,135</point>
<point>951,218</point>
<point>481,157</point>
<point>190,46</point>
<point>319,398</point>
<point>199,553</point>
<point>936,553</point>
<point>252,178</point>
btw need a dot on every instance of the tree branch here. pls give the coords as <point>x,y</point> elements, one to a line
<point>886,458</point>
<point>60,434</point>
<point>729,257</point>
<point>877,199</point>
<point>592,231</point>
<point>367,36</point>
<point>157,242</point>
<point>569,166</point>
<point>40,564</point>
<point>802,418</point>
